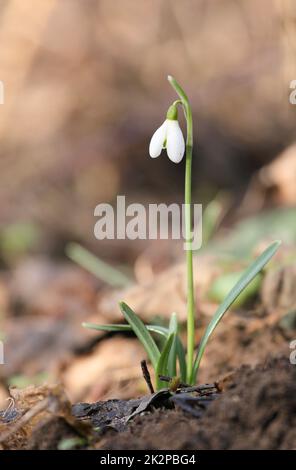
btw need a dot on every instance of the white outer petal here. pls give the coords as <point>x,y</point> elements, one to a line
<point>175,142</point>
<point>157,141</point>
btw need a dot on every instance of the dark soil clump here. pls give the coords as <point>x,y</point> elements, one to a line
<point>257,410</point>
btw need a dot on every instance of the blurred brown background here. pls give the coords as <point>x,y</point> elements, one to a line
<point>85,87</point>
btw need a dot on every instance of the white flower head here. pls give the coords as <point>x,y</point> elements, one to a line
<point>168,136</point>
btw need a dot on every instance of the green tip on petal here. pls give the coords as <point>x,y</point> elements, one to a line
<point>172,113</point>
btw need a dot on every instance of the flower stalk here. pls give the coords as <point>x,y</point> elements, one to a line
<point>188,228</point>
<point>171,356</point>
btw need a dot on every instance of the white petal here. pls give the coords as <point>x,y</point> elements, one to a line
<point>157,141</point>
<point>175,142</point>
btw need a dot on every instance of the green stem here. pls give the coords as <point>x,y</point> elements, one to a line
<point>188,229</point>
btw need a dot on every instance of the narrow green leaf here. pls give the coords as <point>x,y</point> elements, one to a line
<point>173,329</point>
<point>160,330</point>
<point>96,266</point>
<point>245,279</point>
<point>141,332</point>
<point>181,359</point>
<point>221,286</point>
<point>111,327</point>
<point>162,363</point>
<point>121,327</point>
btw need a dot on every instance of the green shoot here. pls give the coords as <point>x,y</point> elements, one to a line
<point>165,362</point>
<point>162,364</point>
<point>142,333</point>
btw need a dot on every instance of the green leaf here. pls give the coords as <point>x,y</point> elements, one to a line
<point>160,330</point>
<point>245,279</point>
<point>111,327</point>
<point>173,329</point>
<point>121,327</point>
<point>182,359</point>
<point>162,363</point>
<point>96,266</point>
<point>141,332</point>
<point>221,286</point>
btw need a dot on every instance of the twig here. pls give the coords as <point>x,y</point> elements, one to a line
<point>146,376</point>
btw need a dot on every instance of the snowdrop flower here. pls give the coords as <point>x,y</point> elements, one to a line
<point>168,136</point>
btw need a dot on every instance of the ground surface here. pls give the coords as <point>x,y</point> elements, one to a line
<point>46,343</point>
<point>256,411</point>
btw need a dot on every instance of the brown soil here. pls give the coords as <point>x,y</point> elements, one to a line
<point>48,436</point>
<point>257,410</point>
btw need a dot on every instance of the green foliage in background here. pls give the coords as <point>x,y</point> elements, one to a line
<point>18,239</point>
